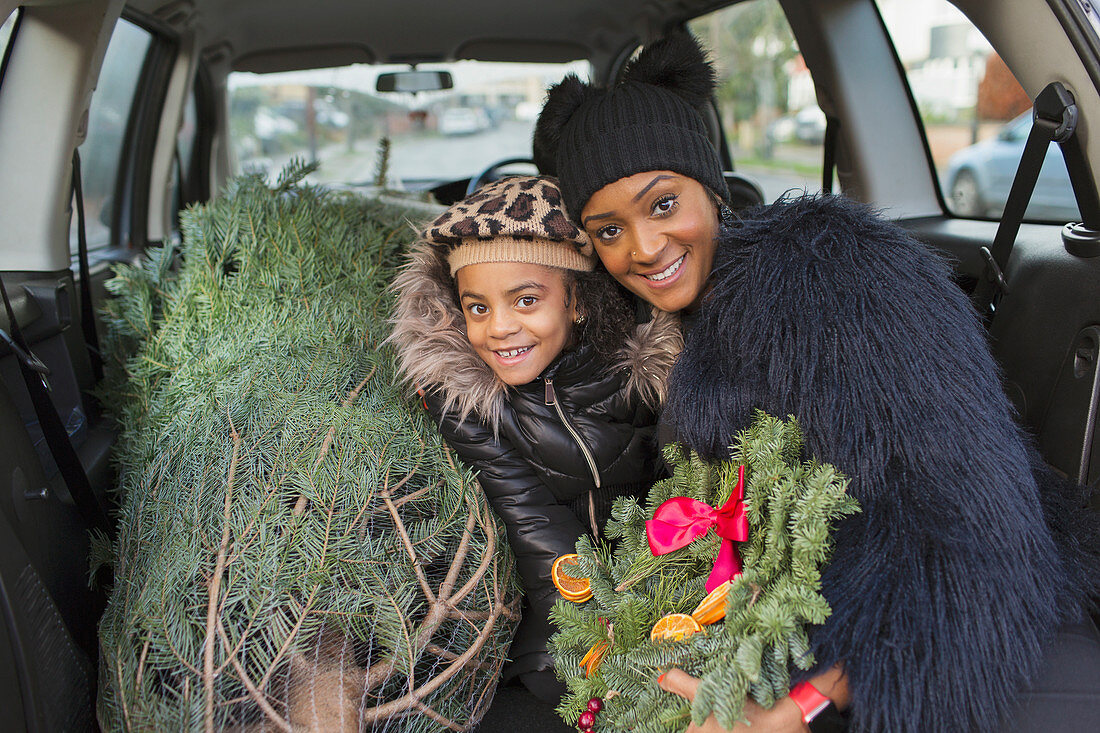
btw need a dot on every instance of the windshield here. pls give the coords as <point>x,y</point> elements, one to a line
<point>395,140</point>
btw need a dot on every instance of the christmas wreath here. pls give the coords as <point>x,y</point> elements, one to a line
<point>718,575</point>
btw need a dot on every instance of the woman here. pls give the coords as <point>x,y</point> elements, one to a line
<point>947,588</point>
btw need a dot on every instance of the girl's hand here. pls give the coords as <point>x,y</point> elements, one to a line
<point>785,717</point>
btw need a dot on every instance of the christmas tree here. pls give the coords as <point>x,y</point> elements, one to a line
<point>296,550</point>
<point>605,651</point>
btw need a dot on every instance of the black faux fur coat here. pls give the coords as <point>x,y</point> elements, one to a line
<point>528,462</point>
<point>948,585</point>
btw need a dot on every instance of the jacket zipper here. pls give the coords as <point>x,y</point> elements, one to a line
<point>552,399</point>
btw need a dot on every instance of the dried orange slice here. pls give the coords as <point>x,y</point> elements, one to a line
<point>674,627</point>
<point>571,588</point>
<point>713,607</point>
<point>591,660</point>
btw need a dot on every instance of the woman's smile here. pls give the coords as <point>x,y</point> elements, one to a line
<point>666,276</point>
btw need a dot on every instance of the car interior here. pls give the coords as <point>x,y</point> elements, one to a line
<point>150,93</point>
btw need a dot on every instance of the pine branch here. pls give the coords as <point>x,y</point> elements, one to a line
<point>215,585</point>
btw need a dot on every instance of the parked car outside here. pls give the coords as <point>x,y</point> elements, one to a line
<point>980,176</point>
<point>809,125</point>
<point>463,121</point>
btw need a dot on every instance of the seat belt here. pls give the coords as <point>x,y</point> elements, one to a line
<point>53,430</point>
<point>87,312</point>
<point>1054,120</point>
<point>832,131</point>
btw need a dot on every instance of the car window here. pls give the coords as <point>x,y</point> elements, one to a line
<point>976,115</point>
<point>107,119</point>
<point>401,140</point>
<point>765,96</point>
<point>181,163</point>
<point>185,140</point>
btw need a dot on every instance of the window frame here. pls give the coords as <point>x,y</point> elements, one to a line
<point>1079,34</point>
<point>196,171</point>
<point>129,217</point>
<point>116,246</point>
<point>6,55</point>
<point>914,110</point>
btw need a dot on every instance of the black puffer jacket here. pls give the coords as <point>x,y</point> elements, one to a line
<point>538,477</point>
<point>537,448</point>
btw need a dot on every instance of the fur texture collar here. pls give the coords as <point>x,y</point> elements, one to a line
<point>429,334</point>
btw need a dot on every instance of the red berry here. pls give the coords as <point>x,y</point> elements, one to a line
<point>587,720</point>
<point>595,705</point>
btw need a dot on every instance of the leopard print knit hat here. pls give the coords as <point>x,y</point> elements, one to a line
<point>516,219</point>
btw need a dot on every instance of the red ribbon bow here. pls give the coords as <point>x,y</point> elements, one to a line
<point>680,520</point>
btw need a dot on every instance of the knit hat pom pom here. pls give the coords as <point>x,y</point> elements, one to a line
<point>653,119</point>
<point>678,64</point>
<point>562,100</point>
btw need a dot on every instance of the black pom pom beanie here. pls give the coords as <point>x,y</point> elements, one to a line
<point>633,127</point>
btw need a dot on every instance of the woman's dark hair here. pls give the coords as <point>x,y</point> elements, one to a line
<point>608,310</point>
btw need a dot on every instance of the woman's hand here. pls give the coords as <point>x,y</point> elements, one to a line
<point>784,717</point>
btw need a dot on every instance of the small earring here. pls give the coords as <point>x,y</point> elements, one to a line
<point>579,319</point>
<point>725,214</point>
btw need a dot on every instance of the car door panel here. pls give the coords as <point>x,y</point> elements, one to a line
<point>1045,334</point>
<point>55,681</point>
<point>1052,302</point>
<point>49,609</point>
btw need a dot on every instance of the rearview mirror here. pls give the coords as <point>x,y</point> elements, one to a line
<point>414,81</point>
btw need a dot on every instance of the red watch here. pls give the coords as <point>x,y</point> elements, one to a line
<point>809,700</point>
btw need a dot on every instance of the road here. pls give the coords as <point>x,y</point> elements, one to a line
<point>431,156</point>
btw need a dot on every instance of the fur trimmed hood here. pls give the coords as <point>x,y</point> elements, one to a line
<point>429,334</point>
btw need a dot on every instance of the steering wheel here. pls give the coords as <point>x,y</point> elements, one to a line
<point>490,173</point>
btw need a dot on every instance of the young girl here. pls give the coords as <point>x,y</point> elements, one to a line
<point>531,364</point>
